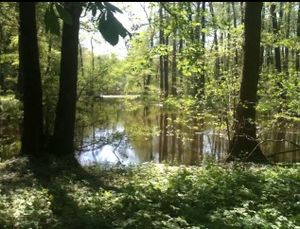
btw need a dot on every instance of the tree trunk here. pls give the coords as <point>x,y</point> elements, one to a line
<point>216,45</point>
<point>244,144</point>
<point>276,30</point>
<point>197,29</point>
<point>202,76</point>
<point>242,13</point>
<point>30,68</point>
<point>166,70</point>
<point>286,49</point>
<point>278,68</point>
<point>63,137</point>
<point>161,41</point>
<point>174,65</point>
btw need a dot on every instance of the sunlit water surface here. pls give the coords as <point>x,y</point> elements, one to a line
<point>119,134</point>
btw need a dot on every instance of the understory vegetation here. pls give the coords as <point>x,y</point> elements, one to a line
<point>149,196</point>
<point>196,126</point>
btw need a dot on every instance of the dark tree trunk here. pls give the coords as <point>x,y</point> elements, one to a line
<point>276,30</point>
<point>286,49</point>
<point>244,143</point>
<point>202,76</point>
<point>166,71</point>
<point>161,41</point>
<point>190,18</point>
<point>63,137</point>
<point>197,29</point>
<point>30,68</point>
<point>216,45</point>
<point>174,65</point>
<point>278,68</point>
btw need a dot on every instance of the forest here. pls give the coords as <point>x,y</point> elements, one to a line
<point>196,126</point>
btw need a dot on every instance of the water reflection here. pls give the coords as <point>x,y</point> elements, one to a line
<point>115,133</point>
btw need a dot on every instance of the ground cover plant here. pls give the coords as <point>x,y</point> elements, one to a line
<point>149,196</point>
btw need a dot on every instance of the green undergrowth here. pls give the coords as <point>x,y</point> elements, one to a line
<point>150,196</point>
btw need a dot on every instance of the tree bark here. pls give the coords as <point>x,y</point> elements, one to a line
<point>161,42</point>
<point>242,13</point>
<point>166,70</point>
<point>244,144</point>
<point>286,49</point>
<point>276,30</point>
<point>174,65</point>
<point>63,137</point>
<point>32,134</point>
<point>216,45</point>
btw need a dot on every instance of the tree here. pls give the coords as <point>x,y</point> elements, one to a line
<point>244,144</point>
<point>161,42</point>
<point>30,67</point>
<point>110,28</point>
<point>62,142</point>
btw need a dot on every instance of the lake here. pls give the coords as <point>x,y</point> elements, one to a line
<point>115,131</point>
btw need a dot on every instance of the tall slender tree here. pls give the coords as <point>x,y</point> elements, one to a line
<point>32,134</point>
<point>161,42</point>
<point>244,144</point>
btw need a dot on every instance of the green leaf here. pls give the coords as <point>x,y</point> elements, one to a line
<point>64,15</point>
<point>106,29</point>
<point>111,28</point>
<point>51,21</point>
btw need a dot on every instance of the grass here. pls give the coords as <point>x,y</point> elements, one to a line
<point>149,196</point>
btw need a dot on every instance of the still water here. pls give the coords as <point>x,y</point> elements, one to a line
<point>121,132</point>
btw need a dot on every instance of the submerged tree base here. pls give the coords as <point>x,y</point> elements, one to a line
<point>151,196</point>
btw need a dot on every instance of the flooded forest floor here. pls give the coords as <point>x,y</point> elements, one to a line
<point>149,195</point>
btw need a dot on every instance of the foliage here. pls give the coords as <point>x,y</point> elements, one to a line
<point>153,196</point>
<point>10,116</point>
<point>10,108</point>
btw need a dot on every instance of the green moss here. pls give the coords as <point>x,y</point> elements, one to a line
<point>151,196</point>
